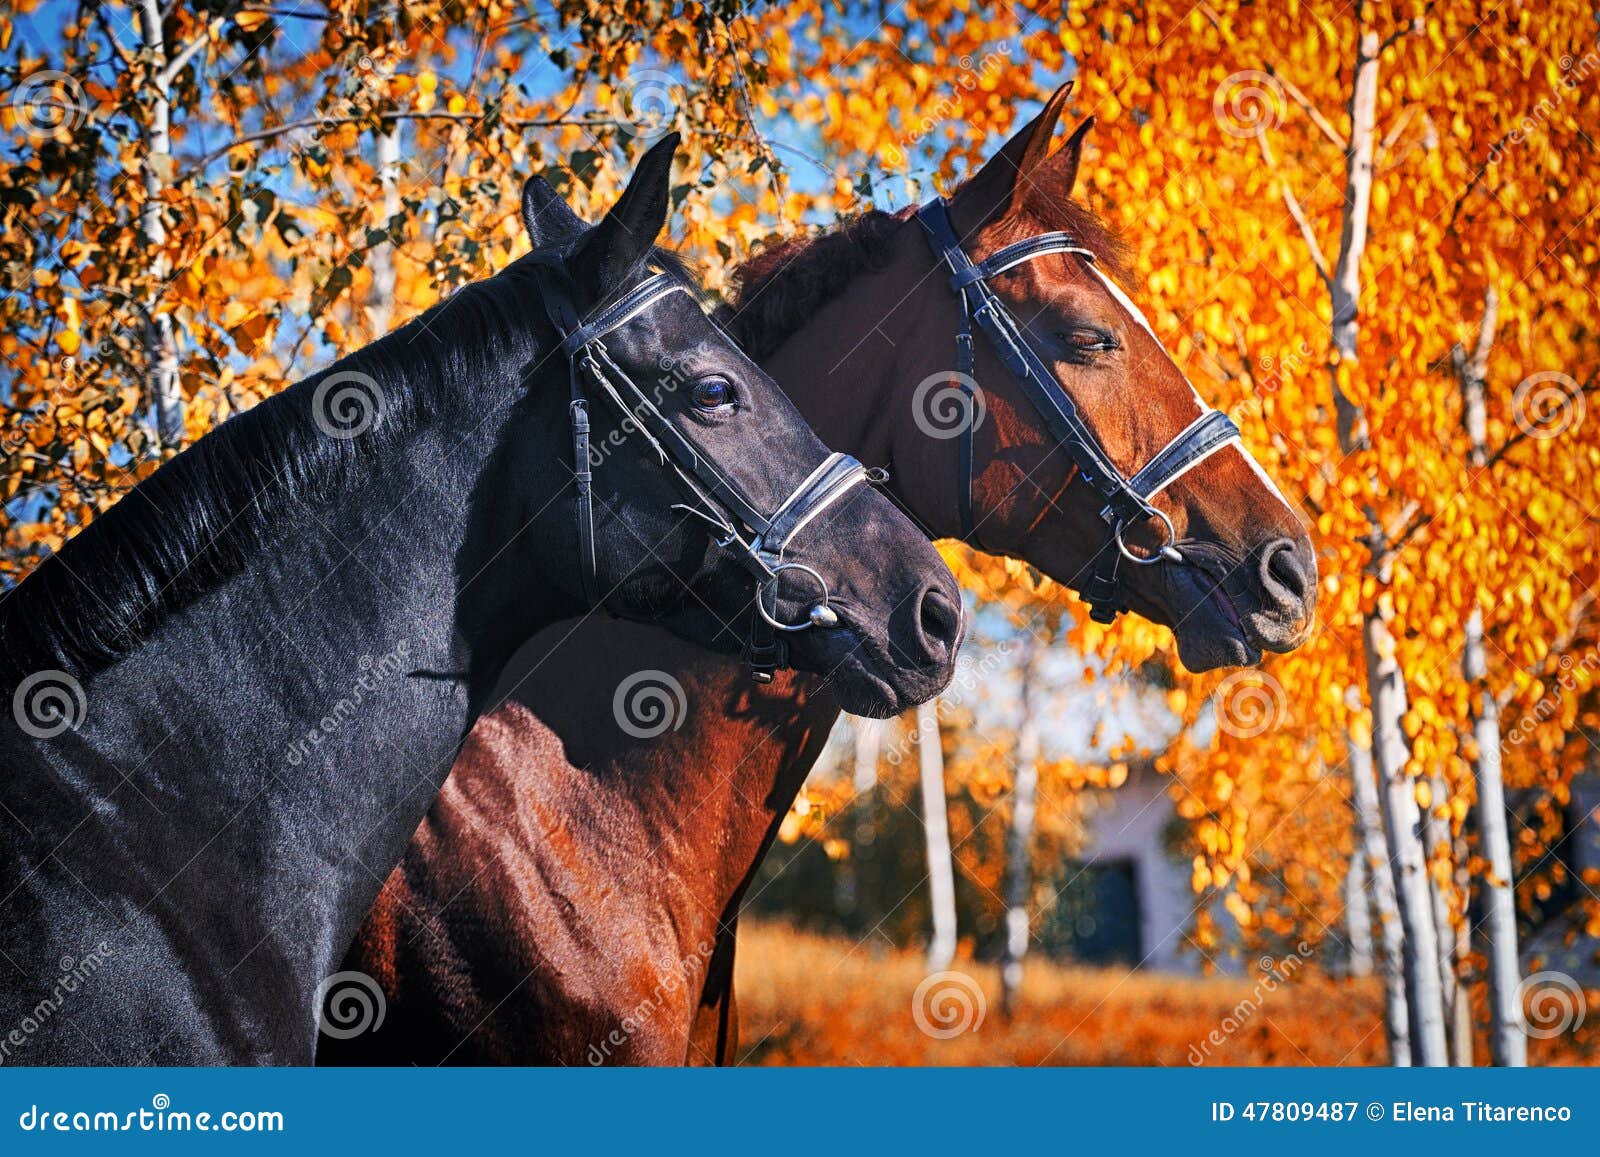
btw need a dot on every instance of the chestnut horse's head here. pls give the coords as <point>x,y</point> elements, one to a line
<point>1247,580</point>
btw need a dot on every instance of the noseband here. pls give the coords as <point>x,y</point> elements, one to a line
<point>1126,500</point>
<point>757,541</point>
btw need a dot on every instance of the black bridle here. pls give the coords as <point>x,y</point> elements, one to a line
<point>1127,500</point>
<point>758,541</point>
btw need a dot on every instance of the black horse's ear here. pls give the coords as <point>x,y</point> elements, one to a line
<point>546,215</point>
<point>995,189</point>
<point>616,246</point>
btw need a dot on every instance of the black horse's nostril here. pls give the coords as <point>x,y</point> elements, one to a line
<point>1288,571</point>
<point>939,617</point>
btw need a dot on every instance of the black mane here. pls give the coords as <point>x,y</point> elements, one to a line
<point>198,519</point>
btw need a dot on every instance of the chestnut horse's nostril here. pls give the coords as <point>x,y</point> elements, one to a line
<point>1287,572</point>
<point>939,617</point>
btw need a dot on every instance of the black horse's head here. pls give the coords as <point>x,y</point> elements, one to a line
<point>691,447</point>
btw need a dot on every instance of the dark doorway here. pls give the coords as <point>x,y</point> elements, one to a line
<point>1096,917</point>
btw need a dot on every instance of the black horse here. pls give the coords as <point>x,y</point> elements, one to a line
<point>235,694</point>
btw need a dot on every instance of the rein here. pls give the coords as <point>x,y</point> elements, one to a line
<point>1126,500</point>
<point>757,541</point>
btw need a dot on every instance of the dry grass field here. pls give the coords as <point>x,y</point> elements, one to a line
<point>813,1000</point>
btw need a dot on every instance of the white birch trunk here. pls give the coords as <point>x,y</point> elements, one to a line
<point>381,310</point>
<point>1375,853</point>
<point>869,741</point>
<point>1386,690</point>
<point>936,829</point>
<point>1019,837</point>
<point>1358,913</point>
<point>1461,1027</point>
<point>1438,851</point>
<point>850,897</point>
<point>162,386</point>
<point>1508,1045</point>
<point>1402,821</point>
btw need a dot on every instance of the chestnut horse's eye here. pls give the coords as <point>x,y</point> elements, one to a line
<point>1087,341</point>
<point>712,393</point>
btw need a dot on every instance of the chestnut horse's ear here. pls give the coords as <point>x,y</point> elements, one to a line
<point>1062,165</point>
<point>546,215</point>
<point>992,192</point>
<point>616,246</point>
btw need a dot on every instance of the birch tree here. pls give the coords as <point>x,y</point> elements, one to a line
<point>1386,686</point>
<point>936,834</point>
<point>1507,1043</point>
<point>1019,834</point>
<point>1373,850</point>
<point>855,898</point>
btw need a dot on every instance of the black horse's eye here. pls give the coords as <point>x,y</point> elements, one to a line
<point>712,393</point>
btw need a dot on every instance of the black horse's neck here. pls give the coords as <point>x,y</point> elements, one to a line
<point>285,690</point>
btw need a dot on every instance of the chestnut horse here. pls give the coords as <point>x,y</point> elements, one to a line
<point>572,896</point>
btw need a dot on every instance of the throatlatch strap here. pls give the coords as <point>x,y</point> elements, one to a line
<point>583,478</point>
<point>563,315</point>
<point>966,364</point>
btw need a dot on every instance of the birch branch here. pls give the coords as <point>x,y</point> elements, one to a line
<point>1296,211</point>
